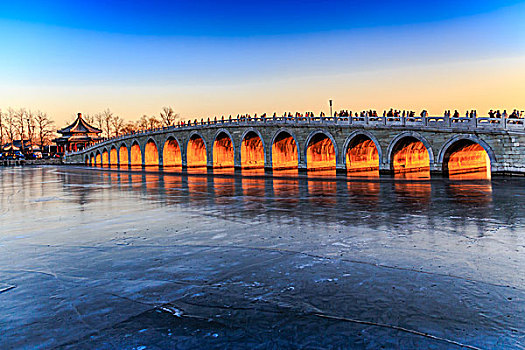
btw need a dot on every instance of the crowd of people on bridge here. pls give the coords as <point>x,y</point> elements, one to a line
<point>391,114</point>
<point>372,115</point>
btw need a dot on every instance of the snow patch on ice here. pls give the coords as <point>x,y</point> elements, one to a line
<point>172,310</point>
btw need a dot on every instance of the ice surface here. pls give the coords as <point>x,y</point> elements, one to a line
<point>104,259</point>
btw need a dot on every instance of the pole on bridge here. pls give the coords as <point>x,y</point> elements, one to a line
<point>331,115</point>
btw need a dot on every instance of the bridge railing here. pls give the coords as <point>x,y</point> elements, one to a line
<point>434,122</point>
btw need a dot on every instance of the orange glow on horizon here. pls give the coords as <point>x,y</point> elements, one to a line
<point>223,156</point>
<point>196,153</point>
<point>252,152</point>
<point>151,154</point>
<point>320,154</point>
<point>171,154</point>
<point>411,160</point>
<point>284,152</point>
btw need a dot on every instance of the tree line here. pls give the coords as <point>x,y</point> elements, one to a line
<point>39,129</point>
<point>113,125</point>
<point>22,124</point>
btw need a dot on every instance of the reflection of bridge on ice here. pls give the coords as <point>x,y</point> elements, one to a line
<point>401,145</point>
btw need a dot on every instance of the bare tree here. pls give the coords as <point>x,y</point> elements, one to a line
<point>142,123</point>
<point>10,127</point>
<point>19,121</point>
<point>107,117</point>
<point>2,125</point>
<point>168,116</point>
<point>153,122</point>
<point>99,121</point>
<point>30,122</point>
<point>146,122</point>
<point>117,123</point>
<point>129,127</point>
<point>44,128</point>
<point>88,118</point>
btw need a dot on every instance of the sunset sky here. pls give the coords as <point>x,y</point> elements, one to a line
<point>208,58</point>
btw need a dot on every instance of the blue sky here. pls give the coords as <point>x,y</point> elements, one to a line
<point>238,18</point>
<point>209,57</point>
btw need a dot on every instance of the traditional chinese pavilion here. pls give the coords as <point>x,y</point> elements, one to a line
<point>77,136</point>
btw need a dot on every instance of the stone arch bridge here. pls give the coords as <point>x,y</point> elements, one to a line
<point>386,145</point>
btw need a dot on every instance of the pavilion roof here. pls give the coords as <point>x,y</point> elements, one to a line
<point>79,126</point>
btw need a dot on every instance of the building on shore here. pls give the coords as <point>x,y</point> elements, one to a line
<point>77,136</point>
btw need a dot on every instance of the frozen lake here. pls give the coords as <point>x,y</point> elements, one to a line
<point>92,258</point>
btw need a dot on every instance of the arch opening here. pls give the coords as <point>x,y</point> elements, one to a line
<point>151,154</point>
<point>113,157</point>
<point>466,159</point>
<point>410,158</point>
<point>362,157</point>
<point>92,160</point>
<point>320,153</point>
<point>136,155</point>
<point>196,152</point>
<point>284,152</point>
<point>105,158</point>
<point>123,155</point>
<point>252,151</point>
<point>171,154</point>
<point>98,159</point>
<point>223,156</point>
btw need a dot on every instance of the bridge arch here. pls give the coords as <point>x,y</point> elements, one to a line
<point>113,156</point>
<point>285,150</point>
<point>105,157</point>
<point>171,151</point>
<point>223,149</point>
<point>151,153</point>
<point>98,158</point>
<point>252,149</point>
<point>196,150</point>
<point>362,152</point>
<point>135,154</point>
<point>467,154</point>
<point>123,154</point>
<point>92,159</point>
<point>320,151</point>
<point>409,152</point>
<point>86,160</point>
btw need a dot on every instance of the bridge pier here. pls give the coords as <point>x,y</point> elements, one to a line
<point>340,171</point>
